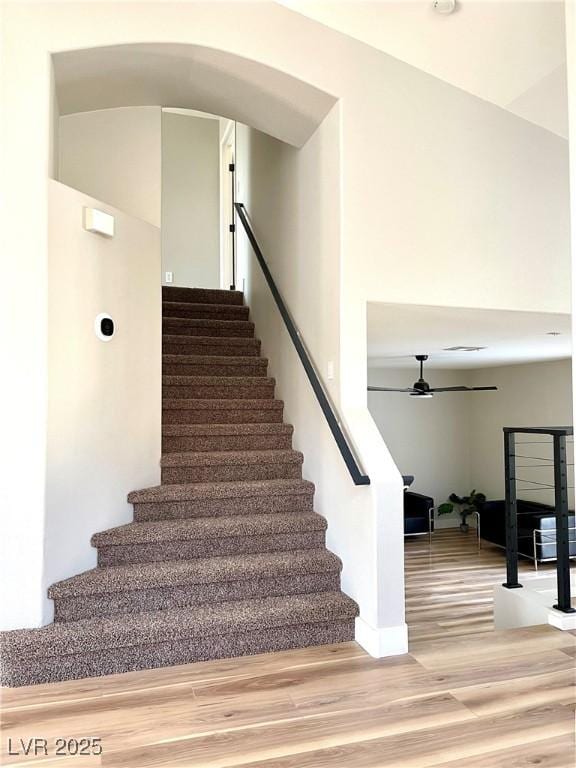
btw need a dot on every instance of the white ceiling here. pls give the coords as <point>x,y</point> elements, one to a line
<point>509,52</point>
<point>397,332</point>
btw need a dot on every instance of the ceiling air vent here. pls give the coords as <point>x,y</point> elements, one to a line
<point>463,349</point>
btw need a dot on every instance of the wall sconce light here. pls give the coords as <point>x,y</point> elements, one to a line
<point>99,222</point>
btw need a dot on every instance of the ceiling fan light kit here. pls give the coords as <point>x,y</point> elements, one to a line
<point>422,389</point>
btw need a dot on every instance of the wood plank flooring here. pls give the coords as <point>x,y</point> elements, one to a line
<point>465,697</point>
<point>449,583</point>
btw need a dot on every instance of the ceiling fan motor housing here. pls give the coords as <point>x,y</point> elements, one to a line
<point>421,385</point>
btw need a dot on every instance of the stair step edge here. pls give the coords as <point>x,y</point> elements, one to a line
<point>207,322</point>
<point>219,490</point>
<point>261,362</point>
<point>185,294</point>
<point>199,571</point>
<point>226,430</point>
<point>140,629</point>
<point>218,341</point>
<point>218,381</point>
<point>230,458</point>
<point>210,527</point>
<point>228,404</point>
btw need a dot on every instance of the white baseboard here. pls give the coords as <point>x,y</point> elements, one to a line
<point>383,641</point>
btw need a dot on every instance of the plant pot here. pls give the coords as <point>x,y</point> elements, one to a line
<point>464,527</point>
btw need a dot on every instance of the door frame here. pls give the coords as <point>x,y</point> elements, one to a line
<point>227,237</point>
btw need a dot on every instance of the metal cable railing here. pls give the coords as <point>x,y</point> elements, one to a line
<point>558,487</point>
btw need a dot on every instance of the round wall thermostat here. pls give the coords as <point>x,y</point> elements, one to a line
<point>104,327</point>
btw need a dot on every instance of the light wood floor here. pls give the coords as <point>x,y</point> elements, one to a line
<point>465,697</point>
<point>449,583</point>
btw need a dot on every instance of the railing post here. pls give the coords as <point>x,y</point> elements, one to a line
<point>564,603</point>
<point>511,511</point>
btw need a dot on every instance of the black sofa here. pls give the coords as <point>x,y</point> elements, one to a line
<point>532,517</point>
<point>417,513</point>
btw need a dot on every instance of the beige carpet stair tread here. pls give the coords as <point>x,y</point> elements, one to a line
<point>219,458</point>
<point>184,403</point>
<point>194,324</point>
<point>245,567</point>
<point>201,295</point>
<point>212,341</point>
<point>237,489</point>
<point>201,311</point>
<point>199,322</point>
<point>200,430</point>
<point>217,381</point>
<point>241,361</point>
<point>209,528</point>
<point>214,365</point>
<point>153,627</point>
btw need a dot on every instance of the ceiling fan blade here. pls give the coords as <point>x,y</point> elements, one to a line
<point>390,389</point>
<point>462,389</point>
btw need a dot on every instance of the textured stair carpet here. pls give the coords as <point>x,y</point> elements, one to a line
<point>227,556</point>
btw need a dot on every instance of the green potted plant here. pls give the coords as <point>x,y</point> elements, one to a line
<point>466,505</point>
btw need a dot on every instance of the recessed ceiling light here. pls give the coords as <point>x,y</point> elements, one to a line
<point>553,333</point>
<point>463,349</point>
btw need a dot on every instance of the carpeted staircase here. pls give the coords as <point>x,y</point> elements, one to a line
<point>226,557</point>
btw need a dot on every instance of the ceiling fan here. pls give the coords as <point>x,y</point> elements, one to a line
<point>421,388</point>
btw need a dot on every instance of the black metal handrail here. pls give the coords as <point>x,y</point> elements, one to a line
<point>560,487</point>
<point>328,409</point>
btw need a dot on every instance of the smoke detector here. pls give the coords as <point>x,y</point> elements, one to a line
<point>444,6</point>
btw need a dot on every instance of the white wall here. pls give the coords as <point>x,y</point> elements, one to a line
<point>428,438</point>
<point>539,394</point>
<point>103,397</point>
<point>292,197</point>
<point>114,155</point>
<point>495,50</point>
<point>191,200</point>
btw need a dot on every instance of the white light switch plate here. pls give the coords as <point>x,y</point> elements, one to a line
<point>330,370</point>
<point>169,277</point>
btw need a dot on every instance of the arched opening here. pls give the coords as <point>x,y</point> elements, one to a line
<point>129,134</point>
<point>190,77</point>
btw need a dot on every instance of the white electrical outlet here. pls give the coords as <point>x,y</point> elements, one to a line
<point>169,278</point>
<point>330,370</point>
